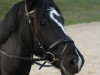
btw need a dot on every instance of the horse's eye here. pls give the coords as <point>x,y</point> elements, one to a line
<point>43,23</point>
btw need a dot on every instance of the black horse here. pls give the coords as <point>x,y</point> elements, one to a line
<point>35,27</point>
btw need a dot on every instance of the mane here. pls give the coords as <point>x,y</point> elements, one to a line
<point>43,5</point>
<point>9,24</point>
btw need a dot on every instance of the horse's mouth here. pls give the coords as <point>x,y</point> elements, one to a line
<point>64,71</point>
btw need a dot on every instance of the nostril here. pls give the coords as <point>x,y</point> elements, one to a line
<point>73,62</point>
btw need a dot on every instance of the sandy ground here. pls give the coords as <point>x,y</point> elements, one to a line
<point>87,39</point>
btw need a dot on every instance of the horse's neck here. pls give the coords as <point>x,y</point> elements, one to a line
<point>15,40</point>
<point>8,26</point>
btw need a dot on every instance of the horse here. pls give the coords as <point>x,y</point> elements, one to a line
<point>36,27</point>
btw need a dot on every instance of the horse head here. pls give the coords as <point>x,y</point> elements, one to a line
<point>51,40</point>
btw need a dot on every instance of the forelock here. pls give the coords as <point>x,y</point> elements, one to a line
<point>43,5</point>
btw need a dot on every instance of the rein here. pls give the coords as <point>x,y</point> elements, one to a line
<point>35,60</point>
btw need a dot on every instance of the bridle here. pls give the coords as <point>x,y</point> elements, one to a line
<point>47,52</point>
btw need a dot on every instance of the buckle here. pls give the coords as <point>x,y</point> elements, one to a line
<point>50,57</point>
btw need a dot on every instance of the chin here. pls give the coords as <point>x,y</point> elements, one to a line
<point>71,72</point>
<point>66,73</point>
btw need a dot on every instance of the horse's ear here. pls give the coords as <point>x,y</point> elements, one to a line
<point>31,3</point>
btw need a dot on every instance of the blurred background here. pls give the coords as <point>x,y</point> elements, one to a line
<point>74,11</point>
